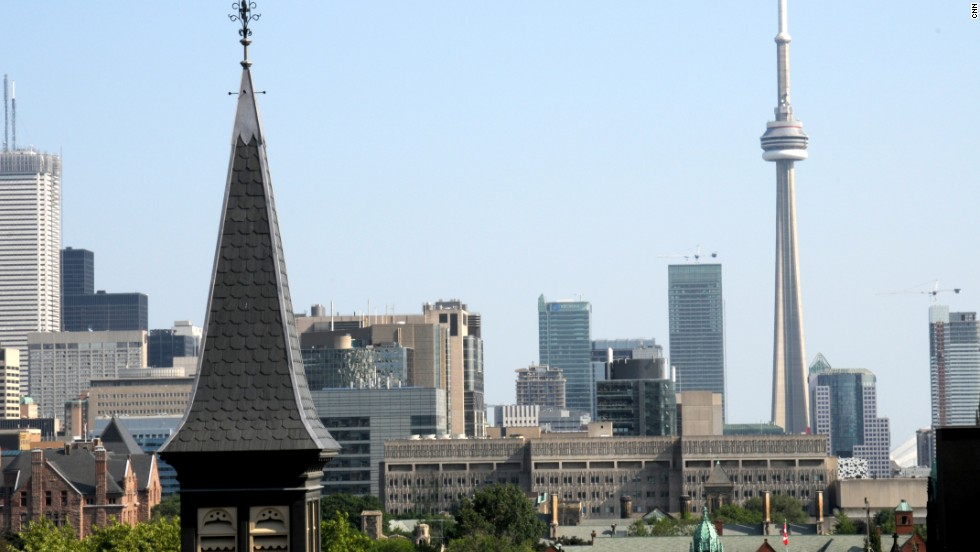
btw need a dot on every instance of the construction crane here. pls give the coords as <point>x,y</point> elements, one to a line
<point>934,292</point>
<point>687,255</point>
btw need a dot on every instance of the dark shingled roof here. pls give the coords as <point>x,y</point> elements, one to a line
<point>251,392</point>
<point>116,438</point>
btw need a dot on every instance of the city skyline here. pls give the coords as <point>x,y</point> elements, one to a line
<point>521,120</point>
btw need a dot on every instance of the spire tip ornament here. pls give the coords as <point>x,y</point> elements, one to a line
<point>244,17</point>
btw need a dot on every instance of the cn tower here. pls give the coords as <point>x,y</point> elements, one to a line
<point>785,143</point>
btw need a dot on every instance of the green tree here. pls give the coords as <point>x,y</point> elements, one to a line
<point>168,507</point>
<point>483,542</point>
<point>843,525</point>
<point>781,507</point>
<point>337,535</point>
<point>501,511</point>
<point>733,513</point>
<point>394,545</point>
<point>352,506</point>
<point>639,529</point>
<point>885,521</point>
<point>43,536</point>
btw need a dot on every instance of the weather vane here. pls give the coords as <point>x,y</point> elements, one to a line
<point>244,16</point>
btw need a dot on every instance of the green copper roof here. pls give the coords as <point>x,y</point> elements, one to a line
<point>903,507</point>
<point>705,537</point>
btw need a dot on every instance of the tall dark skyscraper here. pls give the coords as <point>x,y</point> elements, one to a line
<point>85,310</point>
<point>696,312</point>
<point>784,143</point>
<point>565,341</point>
<point>77,272</point>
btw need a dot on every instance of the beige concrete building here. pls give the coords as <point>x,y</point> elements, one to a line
<point>138,397</point>
<point>699,413</point>
<point>883,494</point>
<point>447,352</point>
<point>10,384</point>
<point>669,473</point>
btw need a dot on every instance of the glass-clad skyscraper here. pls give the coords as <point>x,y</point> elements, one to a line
<point>565,341</point>
<point>697,327</point>
<point>954,365</point>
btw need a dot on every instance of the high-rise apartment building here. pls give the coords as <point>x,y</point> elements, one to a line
<point>86,310</point>
<point>30,251</point>
<point>565,342</point>
<point>696,321</point>
<point>63,364</point>
<point>9,384</point>
<point>540,386</point>
<point>845,407</point>
<point>954,366</point>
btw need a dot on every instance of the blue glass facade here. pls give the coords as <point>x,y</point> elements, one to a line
<point>565,341</point>
<point>100,312</point>
<point>164,345</point>
<point>77,272</point>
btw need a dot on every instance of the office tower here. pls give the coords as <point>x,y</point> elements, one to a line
<point>696,321</point>
<point>183,340</point>
<point>10,383</point>
<point>954,365</point>
<point>85,310</point>
<point>474,405</point>
<point>924,447</point>
<point>785,143</point>
<point>565,342</point>
<point>454,316</point>
<point>845,407</point>
<point>540,386</point>
<point>77,271</point>
<point>30,267</point>
<point>638,398</point>
<point>251,408</point>
<point>63,364</point>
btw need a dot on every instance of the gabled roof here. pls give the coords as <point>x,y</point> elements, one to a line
<point>116,438</point>
<point>251,392</point>
<point>718,477</point>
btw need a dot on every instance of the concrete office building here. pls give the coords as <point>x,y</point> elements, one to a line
<point>699,413</point>
<point>30,258</point>
<point>565,342</point>
<point>361,420</point>
<point>638,398</point>
<point>670,473</point>
<point>10,384</point>
<point>65,363</point>
<point>845,408</point>
<point>150,395</point>
<point>954,366</point>
<point>696,320</point>
<point>605,351</point>
<point>541,386</point>
<point>785,143</point>
<point>446,352</point>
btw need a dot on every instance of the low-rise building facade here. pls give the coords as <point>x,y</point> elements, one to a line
<point>669,473</point>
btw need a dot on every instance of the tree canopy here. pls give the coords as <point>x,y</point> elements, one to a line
<point>501,511</point>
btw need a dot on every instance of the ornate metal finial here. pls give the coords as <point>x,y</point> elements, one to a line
<point>244,16</point>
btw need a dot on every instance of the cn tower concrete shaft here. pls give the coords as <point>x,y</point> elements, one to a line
<point>784,142</point>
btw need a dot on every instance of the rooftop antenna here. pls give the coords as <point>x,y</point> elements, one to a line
<point>6,121</point>
<point>13,115</point>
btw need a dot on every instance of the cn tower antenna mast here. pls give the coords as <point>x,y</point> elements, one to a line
<point>6,125</point>
<point>784,143</point>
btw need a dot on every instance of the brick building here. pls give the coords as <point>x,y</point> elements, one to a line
<point>83,485</point>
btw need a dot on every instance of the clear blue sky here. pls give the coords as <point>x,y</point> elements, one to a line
<point>493,151</point>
